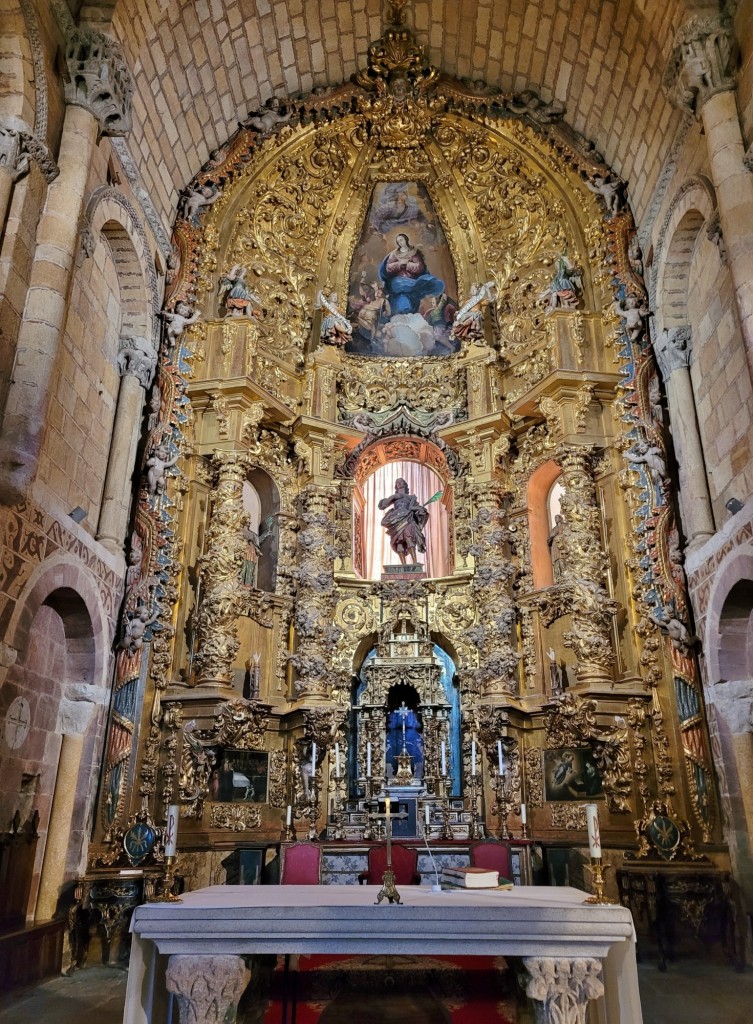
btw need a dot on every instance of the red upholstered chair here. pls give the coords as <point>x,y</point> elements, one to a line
<point>490,853</point>
<point>404,861</point>
<point>300,864</point>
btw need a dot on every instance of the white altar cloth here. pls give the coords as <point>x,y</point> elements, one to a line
<point>530,921</point>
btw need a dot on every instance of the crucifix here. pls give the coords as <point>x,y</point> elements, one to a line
<point>404,761</point>
<point>388,890</point>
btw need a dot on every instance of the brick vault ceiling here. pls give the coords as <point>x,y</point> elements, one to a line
<point>200,65</point>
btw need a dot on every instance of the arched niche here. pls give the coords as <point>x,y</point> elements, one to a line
<point>542,496</point>
<point>425,468</point>
<point>261,502</point>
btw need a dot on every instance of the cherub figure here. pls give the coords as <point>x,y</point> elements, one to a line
<point>634,313</point>
<point>195,199</point>
<point>177,322</point>
<point>682,639</point>
<point>649,454</point>
<point>135,628</point>
<point>156,466</point>
<point>268,117</point>
<point>335,329</point>
<point>610,192</point>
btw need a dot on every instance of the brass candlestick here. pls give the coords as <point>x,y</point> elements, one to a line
<point>477,828</point>
<point>368,831</point>
<point>338,809</point>
<point>444,808</point>
<point>313,809</point>
<point>503,805</point>
<point>598,897</point>
<point>166,896</point>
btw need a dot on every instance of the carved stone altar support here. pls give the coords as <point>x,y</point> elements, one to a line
<point>590,636</point>
<point>562,989</point>
<point>220,570</point>
<point>207,988</point>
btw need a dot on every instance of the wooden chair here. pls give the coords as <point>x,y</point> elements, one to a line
<point>491,853</point>
<point>404,861</point>
<point>300,864</point>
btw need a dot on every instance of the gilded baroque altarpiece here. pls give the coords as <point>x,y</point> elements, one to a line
<point>531,366</point>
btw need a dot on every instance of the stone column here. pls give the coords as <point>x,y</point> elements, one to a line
<point>672,350</point>
<point>75,716</point>
<point>98,94</point>
<point>137,360</point>
<point>562,989</point>
<point>220,570</point>
<point>207,988</point>
<point>590,636</point>
<point>699,79</point>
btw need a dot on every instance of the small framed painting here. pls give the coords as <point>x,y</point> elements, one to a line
<point>570,773</point>
<point>241,776</point>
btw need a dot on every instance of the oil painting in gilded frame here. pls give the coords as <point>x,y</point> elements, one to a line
<point>240,776</point>
<point>403,292</point>
<point>571,773</point>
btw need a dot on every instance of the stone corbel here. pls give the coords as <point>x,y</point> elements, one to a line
<point>562,989</point>
<point>99,80</point>
<point>701,63</point>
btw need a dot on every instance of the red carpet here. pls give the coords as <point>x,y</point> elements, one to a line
<point>394,989</point>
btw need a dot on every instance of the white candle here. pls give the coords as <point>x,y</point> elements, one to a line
<point>337,759</point>
<point>289,816</point>
<point>368,760</point>
<point>387,806</point>
<point>499,758</point>
<point>523,814</point>
<point>473,756</point>
<point>171,830</point>
<point>592,824</point>
<point>444,758</point>
<point>313,758</point>
<point>427,815</point>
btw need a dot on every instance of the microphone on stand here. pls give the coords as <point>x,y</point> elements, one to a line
<point>436,887</point>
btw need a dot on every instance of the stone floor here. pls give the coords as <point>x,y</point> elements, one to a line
<point>690,991</point>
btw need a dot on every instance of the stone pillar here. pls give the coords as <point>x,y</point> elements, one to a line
<point>562,989</point>
<point>590,636</point>
<point>672,350</point>
<point>75,716</point>
<point>207,988</point>
<point>699,79</point>
<point>98,94</point>
<point>220,570</point>
<point>137,360</point>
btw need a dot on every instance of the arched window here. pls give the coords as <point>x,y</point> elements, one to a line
<point>544,495</point>
<point>422,481</point>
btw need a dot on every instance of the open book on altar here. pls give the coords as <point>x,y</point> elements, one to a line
<point>475,878</point>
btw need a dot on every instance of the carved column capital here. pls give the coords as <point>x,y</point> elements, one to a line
<point>701,63</point>
<point>19,146</point>
<point>137,358</point>
<point>562,989</point>
<point>99,80</point>
<point>672,350</point>
<point>207,988</point>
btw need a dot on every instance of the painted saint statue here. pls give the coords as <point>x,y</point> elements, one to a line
<point>405,521</point>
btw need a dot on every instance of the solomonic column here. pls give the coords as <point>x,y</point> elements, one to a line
<point>220,569</point>
<point>699,79</point>
<point>672,350</point>
<point>590,636</point>
<point>137,359</point>
<point>98,97</point>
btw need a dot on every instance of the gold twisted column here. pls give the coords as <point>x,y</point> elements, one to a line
<point>220,571</point>
<point>590,636</point>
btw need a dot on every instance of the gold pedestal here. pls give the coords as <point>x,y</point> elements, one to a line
<point>166,896</point>
<point>598,897</point>
<point>388,891</point>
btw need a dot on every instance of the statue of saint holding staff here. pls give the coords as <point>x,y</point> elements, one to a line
<point>405,521</point>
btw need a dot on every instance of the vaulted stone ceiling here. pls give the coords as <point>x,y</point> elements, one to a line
<point>200,65</point>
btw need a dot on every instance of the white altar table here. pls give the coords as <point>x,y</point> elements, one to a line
<point>194,948</point>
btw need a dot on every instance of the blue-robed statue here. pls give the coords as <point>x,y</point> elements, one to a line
<point>406,278</point>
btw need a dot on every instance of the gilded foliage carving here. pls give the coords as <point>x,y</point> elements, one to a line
<point>234,817</point>
<point>432,385</point>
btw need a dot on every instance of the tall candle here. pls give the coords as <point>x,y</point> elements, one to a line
<point>368,760</point>
<point>427,815</point>
<point>337,759</point>
<point>444,758</point>
<point>313,758</point>
<point>523,814</point>
<point>289,816</point>
<point>171,830</point>
<point>473,756</point>
<point>592,824</point>
<point>387,806</point>
<point>499,758</point>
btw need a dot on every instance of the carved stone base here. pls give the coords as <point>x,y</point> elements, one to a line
<point>207,988</point>
<point>561,989</point>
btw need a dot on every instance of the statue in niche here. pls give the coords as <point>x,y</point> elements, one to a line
<point>405,521</point>
<point>236,296</point>
<point>565,289</point>
<point>253,553</point>
<point>335,329</point>
<point>554,543</point>
<point>469,321</point>
<point>555,673</point>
